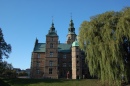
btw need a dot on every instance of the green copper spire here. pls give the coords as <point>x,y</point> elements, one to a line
<point>52,27</point>
<point>71,28</point>
<point>52,31</point>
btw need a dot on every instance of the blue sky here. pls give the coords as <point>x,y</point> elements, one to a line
<point>24,20</point>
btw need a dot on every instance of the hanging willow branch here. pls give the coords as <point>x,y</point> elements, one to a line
<point>101,38</point>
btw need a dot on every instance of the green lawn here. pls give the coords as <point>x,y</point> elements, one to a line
<point>49,82</point>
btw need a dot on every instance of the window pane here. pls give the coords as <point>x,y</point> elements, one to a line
<point>64,64</point>
<point>51,54</point>
<point>38,71</point>
<point>64,56</point>
<point>51,45</point>
<point>38,55</point>
<point>38,64</point>
<point>50,63</point>
<point>50,70</point>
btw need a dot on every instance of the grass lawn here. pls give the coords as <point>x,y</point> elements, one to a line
<point>49,82</point>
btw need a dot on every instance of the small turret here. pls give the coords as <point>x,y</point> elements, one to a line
<point>71,29</point>
<point>76,61</point>
<point>71,33</point>
<point>52,31</point>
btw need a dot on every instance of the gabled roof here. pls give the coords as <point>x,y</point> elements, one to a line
<point>62,47</point>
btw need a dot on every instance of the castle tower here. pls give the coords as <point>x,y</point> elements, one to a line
<point>76,61</point>
<point>71,33</point>
<point>51,59</point>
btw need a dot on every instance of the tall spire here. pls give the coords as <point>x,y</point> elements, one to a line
<point>52,30</point>
<point>71,28</point>
<point>52,26</point>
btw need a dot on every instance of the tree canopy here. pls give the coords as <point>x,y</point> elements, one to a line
<point>103,39</point>
<point>5,48</point>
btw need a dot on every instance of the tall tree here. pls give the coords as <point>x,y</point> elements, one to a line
<point>5,48</point>
<point>103,39</point>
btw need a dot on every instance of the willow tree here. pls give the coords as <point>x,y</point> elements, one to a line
<point>102,39</point>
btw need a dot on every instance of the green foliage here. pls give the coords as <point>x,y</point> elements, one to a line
<point>101,38</point>
<point>23,74</point>
<point>5,48</point>
<point>6,70</point>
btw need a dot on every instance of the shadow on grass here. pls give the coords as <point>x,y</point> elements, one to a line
<point>25,82</point>
<point>2,83</point>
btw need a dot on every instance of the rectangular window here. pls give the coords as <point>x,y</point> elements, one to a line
<point>51,39</point>
<point>50,63</point>
<point>77,70</point>
<point>51,45</point>
<point>51,54</point>
<point>70,64</point>
<point>38,55</point>
<point>38,71</point>
<point>64,64</point>
<point>77,56</point>
<point>50,70</point>
<point>64,56</point>
<point>77,62</point>
<point>38,64</point>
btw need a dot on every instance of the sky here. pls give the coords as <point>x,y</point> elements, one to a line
<point>22,21</point>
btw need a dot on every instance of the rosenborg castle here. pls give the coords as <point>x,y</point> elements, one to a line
<point>58,60</point>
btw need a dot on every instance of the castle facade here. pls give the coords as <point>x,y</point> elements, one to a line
<point>58,60</point>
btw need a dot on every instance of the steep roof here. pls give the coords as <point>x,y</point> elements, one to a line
<point>62,47</point>
<point>40,47</point>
